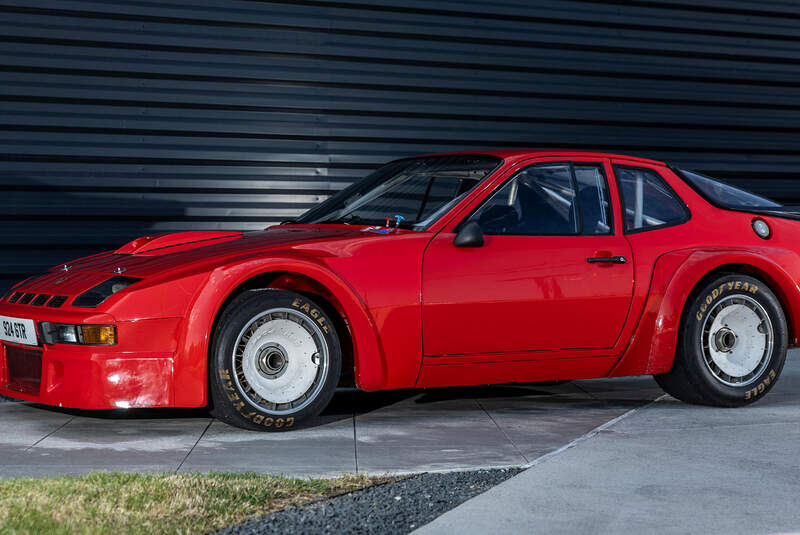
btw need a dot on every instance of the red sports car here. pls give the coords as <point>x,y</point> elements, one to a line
<point>441,270</point>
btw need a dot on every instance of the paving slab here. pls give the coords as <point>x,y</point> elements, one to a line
<point>74,444</point>
<point>87,444</point>
<point>666,468</point>
<point>369,432</point>
<point>320,451</point>
<point>537,425</point>
<point>24,425</point>
<point>414,436</point>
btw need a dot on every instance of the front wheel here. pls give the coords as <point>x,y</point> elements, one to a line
<point>732,344</point>
<point>275,361</point>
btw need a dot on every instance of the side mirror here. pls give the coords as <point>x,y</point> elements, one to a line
<point>470,235</point>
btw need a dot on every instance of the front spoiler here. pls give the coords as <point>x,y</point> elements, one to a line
<point>137,372</point>
<point>94,380</point>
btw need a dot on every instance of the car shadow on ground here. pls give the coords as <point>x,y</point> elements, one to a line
<point>344,405</point>
<point>350,402</point>
<point>435,395</point>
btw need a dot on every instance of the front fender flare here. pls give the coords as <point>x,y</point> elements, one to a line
<point>192,356</point>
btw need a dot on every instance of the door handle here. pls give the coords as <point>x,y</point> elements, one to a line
<point>606,260</point>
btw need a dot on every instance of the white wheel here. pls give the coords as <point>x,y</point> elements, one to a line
<point>737,340</point>
<point>280,360</point>
<point>731,345</point>
<point>276,360</point>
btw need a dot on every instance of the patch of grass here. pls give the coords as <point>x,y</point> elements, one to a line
<point>106,503</point>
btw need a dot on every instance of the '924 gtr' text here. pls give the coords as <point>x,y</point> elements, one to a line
<point>16,330</point>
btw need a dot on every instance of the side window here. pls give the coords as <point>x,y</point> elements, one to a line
<point>593,199</point>
<point>540,199</point>
<point>647,201</point>
<point>550,199</point>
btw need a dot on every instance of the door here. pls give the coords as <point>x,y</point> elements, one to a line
<point>554,271</point>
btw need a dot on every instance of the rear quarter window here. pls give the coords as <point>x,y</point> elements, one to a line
<point>647,200</point>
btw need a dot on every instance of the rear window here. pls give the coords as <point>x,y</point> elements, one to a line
<point>724,195</point>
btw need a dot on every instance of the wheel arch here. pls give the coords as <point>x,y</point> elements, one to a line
<point>677,278</point>
<point>755,272</point>
<point>312,289</point>
<point>304,276</point>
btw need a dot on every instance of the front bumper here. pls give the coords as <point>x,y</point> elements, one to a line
<point>137,372</point>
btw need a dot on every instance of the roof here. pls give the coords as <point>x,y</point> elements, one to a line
<point>507,154</point>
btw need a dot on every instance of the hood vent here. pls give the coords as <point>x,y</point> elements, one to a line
<point>57,301</point>
<point>33,299</point>
<point>40,299</point>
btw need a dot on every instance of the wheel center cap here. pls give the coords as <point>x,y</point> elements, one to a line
<point>271,361</point>
<point>725,340</point>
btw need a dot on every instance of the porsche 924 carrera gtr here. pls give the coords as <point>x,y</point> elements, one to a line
<point>440,270</point>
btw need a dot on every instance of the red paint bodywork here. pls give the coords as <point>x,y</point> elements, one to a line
<point>419,311</point>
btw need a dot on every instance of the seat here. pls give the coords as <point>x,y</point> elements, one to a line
<point>592,211</point>
<point>499,219</point>
<point>539,216</point>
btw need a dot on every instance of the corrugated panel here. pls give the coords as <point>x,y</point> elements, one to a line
<point>123,118</point>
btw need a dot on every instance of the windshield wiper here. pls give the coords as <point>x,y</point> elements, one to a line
<point>350,219</point>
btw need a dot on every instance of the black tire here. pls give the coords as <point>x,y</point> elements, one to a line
<point>288,328</point>
<point>705,344</point>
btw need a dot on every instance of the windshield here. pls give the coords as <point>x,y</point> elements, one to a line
<point>409,193</point>
<point>723,195</point>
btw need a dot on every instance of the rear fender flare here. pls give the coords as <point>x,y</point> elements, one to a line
<point>675,275</point>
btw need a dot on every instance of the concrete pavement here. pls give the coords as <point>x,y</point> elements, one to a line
<point>381,432</point>
<point>667,468</point>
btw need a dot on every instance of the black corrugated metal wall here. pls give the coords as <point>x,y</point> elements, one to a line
<point>122,118</point>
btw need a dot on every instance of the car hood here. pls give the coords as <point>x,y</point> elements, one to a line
<point>151,255</point>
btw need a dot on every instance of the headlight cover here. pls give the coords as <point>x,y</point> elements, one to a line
<point>67,333</point>
<point>93,297</point>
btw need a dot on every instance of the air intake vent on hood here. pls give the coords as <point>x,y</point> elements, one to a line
<point>33,299</point>
<point>40,299</point>
<point>57,301</point>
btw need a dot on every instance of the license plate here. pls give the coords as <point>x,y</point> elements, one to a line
<point>17,330</point>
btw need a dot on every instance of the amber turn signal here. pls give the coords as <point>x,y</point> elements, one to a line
<point>99,335</point>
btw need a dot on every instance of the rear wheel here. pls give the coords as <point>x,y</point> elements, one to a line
<point>732,344</point>
<point>275,362</point>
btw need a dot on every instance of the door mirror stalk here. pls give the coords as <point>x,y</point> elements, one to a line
<point>470,235</point>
